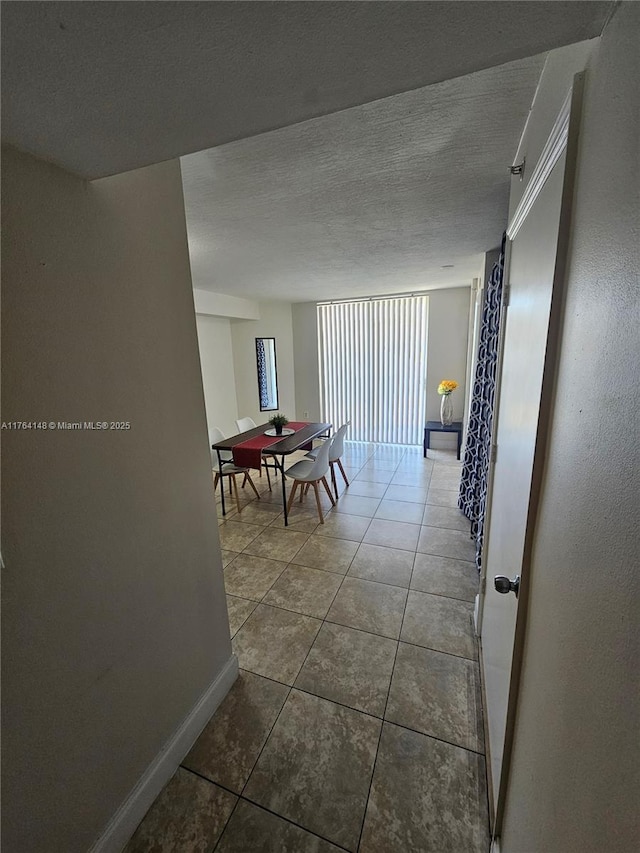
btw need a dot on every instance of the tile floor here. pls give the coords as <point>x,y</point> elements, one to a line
<point>355,723</point>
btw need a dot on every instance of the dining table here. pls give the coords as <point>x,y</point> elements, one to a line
<point>249,447</point>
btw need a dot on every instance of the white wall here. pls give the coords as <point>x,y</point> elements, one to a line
<point>114,615</point>
<point>448,330</point>
<point>275,321</point>
<point>574,779</point>
<point>223,305</point>
<point>218,374</point>
<point>229,369</point>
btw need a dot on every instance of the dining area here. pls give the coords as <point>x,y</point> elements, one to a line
<point>286,453</point>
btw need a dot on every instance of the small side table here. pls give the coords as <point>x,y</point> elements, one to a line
<point>436,426</point>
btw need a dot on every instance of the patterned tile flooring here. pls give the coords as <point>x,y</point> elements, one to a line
<point>355,723</point>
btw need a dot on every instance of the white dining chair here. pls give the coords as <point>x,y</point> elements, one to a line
<point>244,424</point>
<point>309,473</point>
<point>216,435</point>
<point>228,468</point>
<point>336,450</point>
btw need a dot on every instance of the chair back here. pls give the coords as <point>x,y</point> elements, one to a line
<point>244,424</point>
<point>216,435</point>
<point>321,465</point>
<point>337,443</point>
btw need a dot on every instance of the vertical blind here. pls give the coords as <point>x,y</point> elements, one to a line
<point>373,364</point>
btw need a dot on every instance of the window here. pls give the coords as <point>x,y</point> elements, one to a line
<point>373,363</point>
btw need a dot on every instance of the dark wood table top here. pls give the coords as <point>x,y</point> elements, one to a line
<point>287,444</point>
<point>437,426</point>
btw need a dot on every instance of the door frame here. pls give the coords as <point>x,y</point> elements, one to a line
<point>564,135</point>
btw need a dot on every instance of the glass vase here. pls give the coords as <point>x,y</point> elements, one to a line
<point>446,410</point>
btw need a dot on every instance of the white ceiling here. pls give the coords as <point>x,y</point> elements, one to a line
<point>374,199</point>
<point>104,87</point>
<point>380,173</point>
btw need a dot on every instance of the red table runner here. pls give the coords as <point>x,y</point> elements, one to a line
<point>248,454</point>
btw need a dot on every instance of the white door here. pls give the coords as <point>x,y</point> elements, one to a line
<point>534,273</point>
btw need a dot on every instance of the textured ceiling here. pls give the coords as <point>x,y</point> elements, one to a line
<point>375,199</point>
<point>361,146</point>
<point>104,87</point>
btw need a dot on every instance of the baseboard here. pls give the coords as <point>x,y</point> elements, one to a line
<point>123,824</point>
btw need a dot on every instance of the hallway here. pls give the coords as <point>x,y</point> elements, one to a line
<point>355,723</point>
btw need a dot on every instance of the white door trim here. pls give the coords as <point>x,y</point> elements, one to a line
<point>551,153</point>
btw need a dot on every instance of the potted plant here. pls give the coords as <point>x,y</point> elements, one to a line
<point>278,421</point>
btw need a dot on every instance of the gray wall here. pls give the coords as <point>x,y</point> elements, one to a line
<point>306,364</point>
<point>574,780</point>
<point>447,349</point>
<point>114,617</point>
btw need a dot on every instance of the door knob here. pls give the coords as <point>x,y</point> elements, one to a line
<point>503,585</point>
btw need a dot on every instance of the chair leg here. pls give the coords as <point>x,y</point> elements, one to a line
<point>232,479</point>
<point>319,505</point>
<point>328,490</point>
<point>344,476</point>
<point>296,483</point>
<point>244,481</point>
<point>333,479</point>
<point>303,491</point>
<point>230,486</point>
<point>251,483</point>
<point>215,481</point>
<point>268,477</point>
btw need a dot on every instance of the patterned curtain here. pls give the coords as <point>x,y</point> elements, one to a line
<point>475,469</point>
<point>263,388</point>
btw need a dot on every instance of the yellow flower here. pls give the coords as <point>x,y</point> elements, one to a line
<point>447,386</point>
